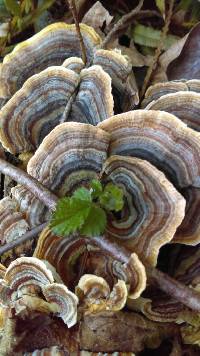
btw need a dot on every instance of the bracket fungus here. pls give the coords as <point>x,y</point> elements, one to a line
<point>167,143</point>
<point>74,153</point>
<point>68,256</point>
<point>30,287</point>
<point>12,222</point>
<point>50,85</point>
<point>51,46</point>
<point>95,294</point>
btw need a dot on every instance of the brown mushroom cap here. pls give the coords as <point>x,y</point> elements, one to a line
<point>12,221</point>
<point>185,105</point>
<point>61,253</point>
<point>157,90</point>
<point>36,108</point>
<point>51,46</point>
<point>65,300</point>
<point>93,102</point>
<point>97,295</point>
<point>161,139</point>
<point>153,208</point>
<point>168,144</point>
<point>123,82</point>
<point>26,271</point>
<point>72,154</point>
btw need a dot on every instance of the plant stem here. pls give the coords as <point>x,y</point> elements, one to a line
<point>28,236</point>
<point>175,289</point>
<point>72,7</point>
<point>21,177</point>
<point>122,24</point>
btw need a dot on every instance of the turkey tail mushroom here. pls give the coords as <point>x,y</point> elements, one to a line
<point>72,154</point>
<point>94,101</point>
<point>153,208</point>
<point>49,47</point>
<point>167,143</point>
<point>96,294</point>
<point>185,105</point>
<point>36,109</point>
<point>65,300</point>
<point>119,68</point>
<point>156,91</point>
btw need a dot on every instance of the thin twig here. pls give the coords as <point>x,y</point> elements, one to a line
<point>21,177</point>
<point>122,24</point>
<point>158,51</point>
<point>175,289</point>
<point>32,234</point>
<point>72,7</point>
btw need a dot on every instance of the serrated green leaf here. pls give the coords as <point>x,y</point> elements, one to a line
<point>112,198</point>
<point>69,216</point>
<point>149,37</point>
<point>13,6</point>
<point>82,194</point>
<point>161,5</point>
<point>95,222</point>
<point>96,188</point>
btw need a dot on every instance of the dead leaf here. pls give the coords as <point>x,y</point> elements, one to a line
<point>172,53</point>
<point>96,16</point>
<point>187,65</point>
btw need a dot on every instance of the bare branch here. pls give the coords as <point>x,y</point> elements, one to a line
<point>21,177</point>
<point>122,24</point>
<point>26,237</point>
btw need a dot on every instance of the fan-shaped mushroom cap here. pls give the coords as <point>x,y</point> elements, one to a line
<point>188,267</point>
<point>12,221</point>
<point>97,294</point>
<point>189,230</point>
<point>36,108</point>
<point>185,105</point>
<point>162,309</point>
<point>71,154</point>
<point>66,255</point>
<point>33,209</point>
<point>74,63</point>
<point>61,253</point>
<point>51,46</point>
<point>157,90</point>
<point>66,300</point>
<point>136,276</point>
<point>153,208</point>
<point>153,135</point>
<point>50,351</point>
<point>94,102</point>
<point>27,271</point>
<point>94,287</point>
<point>123,81</point>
